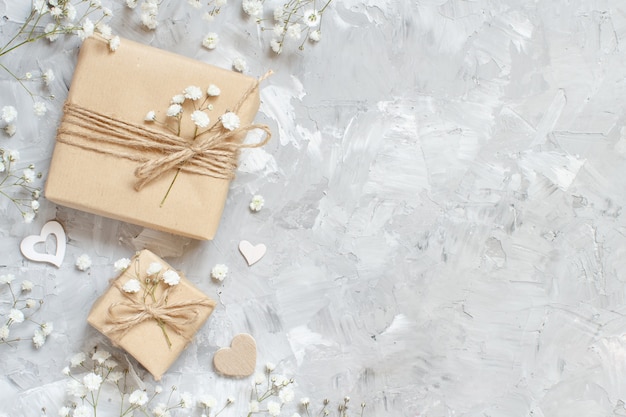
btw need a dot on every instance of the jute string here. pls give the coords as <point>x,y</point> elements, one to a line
<point>211,153</point>
<point>125,315</point>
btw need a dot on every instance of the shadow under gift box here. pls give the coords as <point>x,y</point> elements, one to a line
<point>125,85</point>
<point>144,339</point>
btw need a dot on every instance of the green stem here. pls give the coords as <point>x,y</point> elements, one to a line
<point>169,188</point>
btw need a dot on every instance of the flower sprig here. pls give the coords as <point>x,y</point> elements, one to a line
<point>342,408</point>
<point>295,20</point>
<point>19,188</point>
<point>49,19</point>
<point>89,373</point>
<point>153,277</point>
<point>274,388</point>
<point>22,308</point>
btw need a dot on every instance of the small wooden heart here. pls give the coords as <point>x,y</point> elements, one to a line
<point>239,359</point>
<point>27,247</point>
<point>252,253</point>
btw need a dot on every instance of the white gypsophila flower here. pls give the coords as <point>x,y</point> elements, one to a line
<point>104,29</point>
<point>66,371</point>
<point>186,400</point>
<point>47,328</point>
<point>213,90</point>
<point>253,8</point>
<point>28,217</point>
<point>278,14</point>
<point>115,376</point>
<point>100,356</point>
<point>10,129</point>
<point>257,202</point>
<point>13,156</point>
<point>131,4</point>
<point>40,6</point>
<point>28,175</point>
<point>16,316</point>
<point>315,36</point>
<point>48,76</point>
<point>178,99</point>
<point>230,400</point>
<point>51,33</point>
<point>286,395</point>
<point>279,380</point>
<point>240,64</point>
<point>149,11</point>
<point>150,116</point>
<point>83,411</point>
<point>219,272</point>
<point>171,278</point>
<point>305,401</point>
<point>269,366</point>
<point>83,262</point>
<point>311,18</point>
<point>39,108</point>
<point>273,408</point>
<point>92,381</point>
<point>30,303</point>
<point>174,110</point>
<point>28,75</point>
<point>64,412</point>
<point>131,286</point>
<point>121,264</point>
<point>70,12</point>
<point>196,4</point>
<point>230,121</point>
<point>114,43</point>
<point>294,31</point>
<point>160,410</point>
<point>192,92</point>
<point>207,401</point>
<point>76,389</point>
<point>200,118</point>
<point>27,286</point>
<point>210,40</point>
<point>9,114</point>
<point>158,389</point>
<point>276,46</point>
<point>86,29</point>
<point>35,205</point>
<point>138,397</point>
<point>278,30</point>
<point>77,359</point>
<point>7,279</point>
<point>39,338</point>
<point>154,268</point>
<point>253,406</point>
<point>4,332</point>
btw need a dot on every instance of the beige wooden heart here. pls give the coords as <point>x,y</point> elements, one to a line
<point>238,360</point>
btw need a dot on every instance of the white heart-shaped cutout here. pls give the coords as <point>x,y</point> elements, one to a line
<point>252,253</point>
<point>53,228</point>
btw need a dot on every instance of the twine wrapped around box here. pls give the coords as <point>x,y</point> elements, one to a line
<point>153,325</point>
<point>105,151</point>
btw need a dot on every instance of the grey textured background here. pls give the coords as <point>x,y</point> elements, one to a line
<point>443,212</point>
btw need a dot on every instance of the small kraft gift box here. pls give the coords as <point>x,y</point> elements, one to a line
<point>151,138</point>
<point>151,311</point>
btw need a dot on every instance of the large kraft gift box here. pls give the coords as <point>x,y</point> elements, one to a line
<point>124,86</point>
<point>153,329</point>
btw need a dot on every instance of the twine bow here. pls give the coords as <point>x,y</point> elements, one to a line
<point>212,153</point>
<point>125,315</point>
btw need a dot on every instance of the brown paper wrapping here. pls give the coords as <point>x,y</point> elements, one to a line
<point>146,341</point>
<point>125,85</point>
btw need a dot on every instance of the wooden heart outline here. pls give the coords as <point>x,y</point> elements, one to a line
<point>252,253</point>
<point>54,228</point>
<point>238,360</point>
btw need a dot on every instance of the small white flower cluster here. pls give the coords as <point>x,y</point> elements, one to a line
<point>22,309</point>
<point>278,391</point>
<point>257,203</point>
<point>219,272</point>
<point>294,20</point>
<point>199,116</point>
<point>149,12</point>
<point>154,272</point>
<point>83,262</point>
<point>102,368</point>
<point>9,117</point>
<point>19,188</point>
<point>64,19</point>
